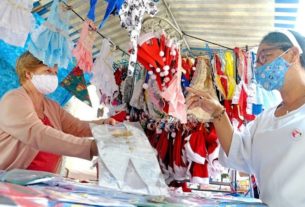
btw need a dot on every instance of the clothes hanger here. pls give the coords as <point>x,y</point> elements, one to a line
<point>164,20</point>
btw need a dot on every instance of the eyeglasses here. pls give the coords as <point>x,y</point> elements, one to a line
<point>261,58</point>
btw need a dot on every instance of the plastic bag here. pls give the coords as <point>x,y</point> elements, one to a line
<point>127,162</point>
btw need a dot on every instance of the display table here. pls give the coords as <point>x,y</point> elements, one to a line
<point>47,190</point>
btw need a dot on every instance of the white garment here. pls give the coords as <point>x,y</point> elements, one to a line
<point>128,163</point>
<point>16,21</point>
<point>131,15</point>
<point>273,148</point>
<point>103,77</point>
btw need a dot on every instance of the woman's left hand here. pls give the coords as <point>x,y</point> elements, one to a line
<point>109,121</point>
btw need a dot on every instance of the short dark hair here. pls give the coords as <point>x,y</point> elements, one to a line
<point>283,42</point>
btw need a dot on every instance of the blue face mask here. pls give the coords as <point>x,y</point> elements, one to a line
<point>272,75</point>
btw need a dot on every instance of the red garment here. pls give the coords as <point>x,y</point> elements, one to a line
<point>45,161</point>
<point>120,117</point>
<point>118,76</point>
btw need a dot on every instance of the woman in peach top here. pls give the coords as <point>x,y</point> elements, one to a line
<point>34,130</point>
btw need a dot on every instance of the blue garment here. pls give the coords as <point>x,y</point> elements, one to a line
<point>269,99</point>
<point>184,82</point>
<point>91,12</point>
<point>114,6</point>
<point>50,42</point>
<point>8,77</point>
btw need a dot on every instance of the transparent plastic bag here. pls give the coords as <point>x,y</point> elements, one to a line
<point>127,162</point>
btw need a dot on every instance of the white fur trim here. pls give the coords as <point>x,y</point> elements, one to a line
<point>200,180</point>
<point>193,156</point>
<point>180,172</point>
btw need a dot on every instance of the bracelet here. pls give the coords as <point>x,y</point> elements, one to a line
<point>217,115</point>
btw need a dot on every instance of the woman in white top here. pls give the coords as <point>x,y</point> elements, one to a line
<point>272,147</point>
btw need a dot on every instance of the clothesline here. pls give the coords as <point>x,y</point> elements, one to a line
<point>207,41</point>
<point>126,53</point>
<point>112,43</point>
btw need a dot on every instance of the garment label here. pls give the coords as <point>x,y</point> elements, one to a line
<point>119,130</point>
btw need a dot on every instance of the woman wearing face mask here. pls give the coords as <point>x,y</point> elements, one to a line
<point>35,131</point>
<point>272,147</point>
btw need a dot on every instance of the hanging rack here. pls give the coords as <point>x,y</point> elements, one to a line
<point>165,20</point>
<point>169,11</point>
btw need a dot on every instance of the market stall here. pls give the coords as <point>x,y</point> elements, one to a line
<point>141,56</point>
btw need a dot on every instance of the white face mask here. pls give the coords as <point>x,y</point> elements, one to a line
<point>45,84</point>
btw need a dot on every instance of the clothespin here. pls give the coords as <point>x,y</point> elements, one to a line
<point>209,50</point>
<point>247,48</point>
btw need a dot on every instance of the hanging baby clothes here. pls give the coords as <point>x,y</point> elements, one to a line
<point>131,15</point>
<point>103,77</point>
<point>201,150</point>
<point>127,162</point>
<point>241,100</point>
<point>127,89</point>
<point>50,43</point>
<point>202,80</point>
<point>173,94</point>
<point>137,99</point>
<point>91,12</point>
<point>83,50</point>
<point>224,78</point>
<point>179,165</point>
<point>114,6</point>
<point>229,72</point>
<point>154,100</point>
<point>76,84</point>
<point>16,21</point>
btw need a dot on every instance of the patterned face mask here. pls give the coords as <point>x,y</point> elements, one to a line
<point>272,75</point>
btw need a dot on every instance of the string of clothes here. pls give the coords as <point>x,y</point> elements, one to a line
<point>17,33</point>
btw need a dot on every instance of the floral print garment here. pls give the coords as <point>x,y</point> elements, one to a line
<point>131,15</point>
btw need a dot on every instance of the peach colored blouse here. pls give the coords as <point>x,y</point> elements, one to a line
<point>23,134</point>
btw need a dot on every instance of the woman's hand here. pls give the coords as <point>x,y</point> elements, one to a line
<point>220,119</point>
<point>204,100</point>
<point>109,121</point>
